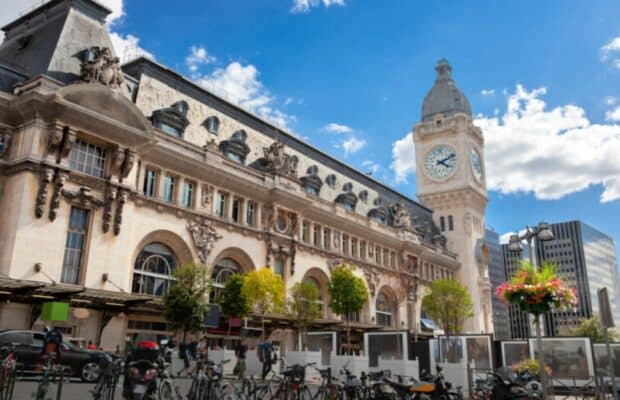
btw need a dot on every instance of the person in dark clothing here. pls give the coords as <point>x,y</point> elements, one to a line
<point>240,351</point>
<point>268,357</point>
<point>52,342</point>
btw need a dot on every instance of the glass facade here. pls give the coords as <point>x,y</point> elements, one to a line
<point>497,276</point>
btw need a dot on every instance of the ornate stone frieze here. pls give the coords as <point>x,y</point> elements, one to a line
<point>204,236</point>
<point>83,197</point>
<point>410,265</point>
<point>123,161</point>
<point>400,216</point>
<point>110,196</point>
<point>100,66</point>
<point>121,199</point>
<point>278,162</point>
<point>128,163</point>
<point>46,177</point>
<point>60,141</point>
<point>59,182</point>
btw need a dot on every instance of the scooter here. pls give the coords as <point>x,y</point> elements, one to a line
<point>141,382</point>
<point>507,388</point>
<point>440,389</point>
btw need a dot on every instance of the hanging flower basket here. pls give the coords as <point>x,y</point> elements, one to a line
<point>537,291</point>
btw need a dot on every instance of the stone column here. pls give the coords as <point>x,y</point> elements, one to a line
<point>229,207</point>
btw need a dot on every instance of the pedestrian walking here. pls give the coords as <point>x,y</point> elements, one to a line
<point>267,356</point>
<point>240,352</point>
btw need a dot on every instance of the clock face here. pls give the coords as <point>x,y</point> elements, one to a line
<point>476,164</point>
<point>440,162</point>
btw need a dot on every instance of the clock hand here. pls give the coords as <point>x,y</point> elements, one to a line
<point>446,159</point>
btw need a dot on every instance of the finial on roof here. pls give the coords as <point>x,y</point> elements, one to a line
<point>443,68</point>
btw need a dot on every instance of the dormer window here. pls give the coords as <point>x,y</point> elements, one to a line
<point>363,196</point>
<point>313,170</point>
<point>331,181</point>
<point>347,187</point>
<point>378,214</point>
<point>235,148</point>
<point>213,125</point>
<point>347,200</point>
<point>172,120</point>
<point>312,183</point>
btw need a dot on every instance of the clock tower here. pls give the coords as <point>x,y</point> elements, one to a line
<point>451,180</point>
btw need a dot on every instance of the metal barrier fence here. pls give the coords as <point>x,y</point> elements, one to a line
<point>559,388</point>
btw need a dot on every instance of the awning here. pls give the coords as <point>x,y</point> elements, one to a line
<point>429,325</point>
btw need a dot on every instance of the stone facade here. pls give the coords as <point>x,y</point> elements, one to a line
<point>110,182</point>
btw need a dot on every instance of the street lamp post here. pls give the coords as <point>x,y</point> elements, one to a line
<point>542,233</point>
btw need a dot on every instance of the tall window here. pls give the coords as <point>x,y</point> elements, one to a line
<point>278,267</point>
<point>392,260</point>
<point>378,255</point>
<point>250,214</point>
<point>188,194</point>
<point>354,247</point>
<point>319,301</point>
<point>326,238</point>
<point>362,250</point>
<point>153,270</point>
<point>304,232</point>
<point>74,246</point>
<point>169,189</point>
<point>236,210</point>
<point>442,224</point>
<point>450,223</point>
<point>385,257</point>
<point>220,205</point>
<point>222,271</point>
<point>384,313</point>
<point>316,235</point>
<point>150,179</point>
<point>345,244</point>
<point>352,317</point>
<point>87,158</point>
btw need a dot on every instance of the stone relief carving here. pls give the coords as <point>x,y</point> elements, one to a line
<point>204,236</point>
<point>278,162</point>
<point>60,141</point>
<point>269,215</point>
<point>110,196</point>
<point>59,182</point>
<point>68,140</point>
<point>400,216</point>
<point>372,280</point>
<point>122,197</point>
<point>410,265</point>
<point>128,163</point>
<point>83,197</point>
<point>100,66</point>
<point>207,195</point>
<point>46,177</point>
<point>334,263</point>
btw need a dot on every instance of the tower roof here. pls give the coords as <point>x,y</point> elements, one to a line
<point>444,97</point>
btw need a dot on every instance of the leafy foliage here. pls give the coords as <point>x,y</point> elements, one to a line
<point>232,300</point>
<point>347,292</point>
<point>530,366</point>
<point>303,305</point>
<point>592,328</point>
<point>265,291</point>
<point>186,301</point>
<point>449,304</point>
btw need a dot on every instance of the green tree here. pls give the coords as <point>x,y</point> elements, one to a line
<point>265,290</point>
<point>232,300</point>
<point>185,303</point>
<point>449,304</point>
<point>347,294</point>
<point>303,307</point>
<point>592,328</point>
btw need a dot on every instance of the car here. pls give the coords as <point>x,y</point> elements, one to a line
<point>84,363</point>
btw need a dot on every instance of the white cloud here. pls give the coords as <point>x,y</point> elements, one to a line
<point>128,47</point>
<point>371,166</point>
<point>487,92</point>
<point>549,152</point>
<point>241,84</point>
<point>304,6</point>
<point>403,158</point>
<point>610,100</point>
<point>611,51</point>
<point>198,56</point>
<point>352,145</point>
<point>337,128</point>
<point>613,115</point>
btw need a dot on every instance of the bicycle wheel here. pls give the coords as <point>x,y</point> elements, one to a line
<point>166,391</point>
<point>258,394</point>
<point>303,394</point>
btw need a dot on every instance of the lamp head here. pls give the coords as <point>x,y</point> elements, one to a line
<point>514,244</point>
<point>545,233</point>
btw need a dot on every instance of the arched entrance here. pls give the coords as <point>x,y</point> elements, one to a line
<point>315,276</point>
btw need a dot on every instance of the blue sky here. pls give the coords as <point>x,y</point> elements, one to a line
<point>543,78</point>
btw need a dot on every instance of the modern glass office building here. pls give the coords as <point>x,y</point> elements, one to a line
<point>497,275</point>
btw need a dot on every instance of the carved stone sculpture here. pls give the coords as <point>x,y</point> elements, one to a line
<point>400,216</point>
<point>334,263</point>
<point>372,280</point>
<point>100,66</point>
<point>128,163</point>
<point>46,177</point>
<point>59,182</point>
<point>68,140</point>
<point>278,162</point>
<point>207,195</point>
<point>122,197</point>
<point>204,236</point>
<point>83,197</point>
<point>110,196</point>
<point>118,158</point>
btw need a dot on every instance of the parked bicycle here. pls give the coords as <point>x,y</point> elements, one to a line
<point>52,373</point>
<point>167,389</point>
<point>108,380</point>
<point>290,387</point>
<point>329,389</point>
<point>8,367</point>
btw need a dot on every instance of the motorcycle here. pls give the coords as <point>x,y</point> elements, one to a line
<point>378,389</point>
<point>437,388</point>
<point>352,386</point>
<point>141,379</point>
<point>510,388</point>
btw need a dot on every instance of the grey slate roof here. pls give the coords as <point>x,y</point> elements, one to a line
<point>444,97</point>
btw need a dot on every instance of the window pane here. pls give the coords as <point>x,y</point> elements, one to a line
<point>76,237</point>
<point>87,158</point>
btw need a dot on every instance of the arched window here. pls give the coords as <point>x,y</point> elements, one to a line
<point>213,125</point>
<point>384,312</point>
<point>310,280</point>
<point>222,271</point>
<point>153,270</point>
